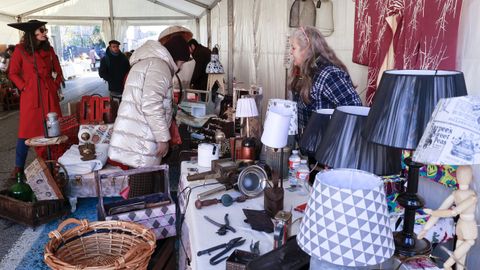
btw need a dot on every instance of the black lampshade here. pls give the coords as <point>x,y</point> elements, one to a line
<point>343,146</point>
<point>29,26</point>
<point>404,102</point>
<point>314,131</point>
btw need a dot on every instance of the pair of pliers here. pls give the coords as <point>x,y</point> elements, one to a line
<point>223,227</point>
<point>235,242</point>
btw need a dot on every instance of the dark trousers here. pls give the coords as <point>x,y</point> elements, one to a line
<point>21,153</point>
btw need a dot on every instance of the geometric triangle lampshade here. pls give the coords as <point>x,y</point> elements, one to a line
<point>346,220</point>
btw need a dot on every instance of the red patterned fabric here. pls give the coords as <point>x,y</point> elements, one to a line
<point>423,34</point>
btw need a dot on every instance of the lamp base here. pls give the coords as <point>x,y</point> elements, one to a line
<point>273,200</point>
<point>409,246</point>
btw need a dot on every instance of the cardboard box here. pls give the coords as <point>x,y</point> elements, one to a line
<point>41,181</point>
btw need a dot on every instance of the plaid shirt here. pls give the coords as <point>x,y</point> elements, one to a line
<point>332,87</point>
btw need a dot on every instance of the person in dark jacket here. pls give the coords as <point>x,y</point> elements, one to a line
<point>114,66</point>
<point>201,54</point>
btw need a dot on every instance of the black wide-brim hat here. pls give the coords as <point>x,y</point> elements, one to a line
<point>29,26</point>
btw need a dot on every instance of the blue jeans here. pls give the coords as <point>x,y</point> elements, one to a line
<point>21,153</point>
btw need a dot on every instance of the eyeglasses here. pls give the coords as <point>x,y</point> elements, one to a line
<point>43,30</point>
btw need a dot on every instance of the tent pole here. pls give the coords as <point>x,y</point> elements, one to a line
<point>112,31</point>
<point>230,45</point>
<point>209,28</point>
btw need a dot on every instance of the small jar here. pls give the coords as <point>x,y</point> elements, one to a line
<point>53,126</point>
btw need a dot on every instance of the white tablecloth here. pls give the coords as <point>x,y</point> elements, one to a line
<point>198,234</point>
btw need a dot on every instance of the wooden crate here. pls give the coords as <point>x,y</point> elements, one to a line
<point>31,214</point>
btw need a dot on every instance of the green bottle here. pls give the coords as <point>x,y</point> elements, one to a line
<point>21,190</point>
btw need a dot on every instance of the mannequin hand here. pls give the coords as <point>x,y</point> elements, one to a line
<point>428,211</point>
<point>162,149</point>
<point>421,234</point>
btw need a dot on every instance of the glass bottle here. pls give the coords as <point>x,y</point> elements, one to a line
<point>21,190</point>
<point>302,174</point>
<point>293,163</point>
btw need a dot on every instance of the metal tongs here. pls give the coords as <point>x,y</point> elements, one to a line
<point>235,242</point>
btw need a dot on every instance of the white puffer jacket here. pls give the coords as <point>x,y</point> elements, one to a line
<point>145,113</point>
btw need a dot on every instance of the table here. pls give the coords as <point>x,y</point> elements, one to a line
<point>42,141</point>
<point>198,234</point>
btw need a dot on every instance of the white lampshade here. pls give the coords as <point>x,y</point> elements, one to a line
<point>286,107</point>
<point>453,133</point>
<point>346,220</point>
<point>275,128</point>
<point>246,107</point>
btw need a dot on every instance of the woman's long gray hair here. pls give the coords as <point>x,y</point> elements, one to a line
<point>318,54</point>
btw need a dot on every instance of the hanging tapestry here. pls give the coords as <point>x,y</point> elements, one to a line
<point>399,34</point>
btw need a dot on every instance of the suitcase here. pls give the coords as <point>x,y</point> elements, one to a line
<point>155,211</point>
<point>84,185</point>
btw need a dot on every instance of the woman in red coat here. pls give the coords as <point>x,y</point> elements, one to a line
<point>35,102</point>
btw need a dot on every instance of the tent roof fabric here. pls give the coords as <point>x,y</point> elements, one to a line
<point>98,9</point>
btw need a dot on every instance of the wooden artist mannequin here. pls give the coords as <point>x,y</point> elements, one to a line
<point>465,200</point>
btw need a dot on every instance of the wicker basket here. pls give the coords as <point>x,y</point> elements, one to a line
<point>99,245</point>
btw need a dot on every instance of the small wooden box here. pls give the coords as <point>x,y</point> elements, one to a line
<point>41,181</point>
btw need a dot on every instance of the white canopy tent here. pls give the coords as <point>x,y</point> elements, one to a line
<point>251,34</point>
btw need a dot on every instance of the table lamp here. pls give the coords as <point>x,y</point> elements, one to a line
<point>343,146</point>
<point>346,221</point>
<point>214,66</point>
<point>403,103</point>
<point>275,135</point>
<point>287,107</point>
<point>246,107</point>
<point>451,138</point>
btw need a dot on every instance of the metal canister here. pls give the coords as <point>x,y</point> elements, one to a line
<point>53,126</point>
<point>282,230</point>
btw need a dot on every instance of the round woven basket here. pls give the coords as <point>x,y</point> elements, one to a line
<point>99,245</point>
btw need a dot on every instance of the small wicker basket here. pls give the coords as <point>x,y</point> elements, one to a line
<point>99,245</point>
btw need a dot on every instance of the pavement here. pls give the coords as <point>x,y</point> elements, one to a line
<point>16,238</point>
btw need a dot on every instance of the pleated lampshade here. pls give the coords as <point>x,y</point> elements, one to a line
<point>343,146</point>
<point>314,131</point>
<point>404,102</point>
<point>246,107</point>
